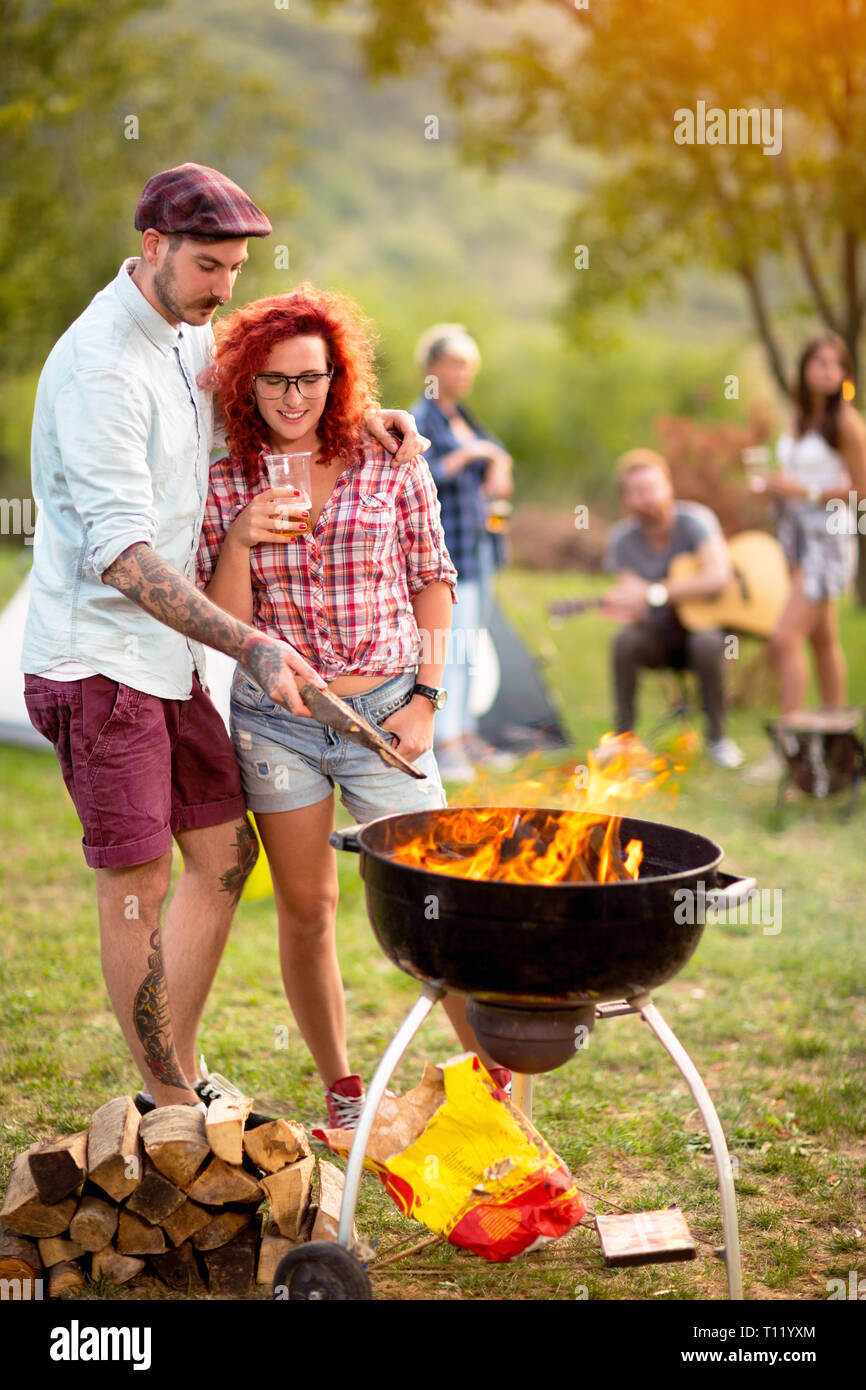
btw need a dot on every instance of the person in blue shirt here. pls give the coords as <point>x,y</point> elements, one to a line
<point>471,469</point>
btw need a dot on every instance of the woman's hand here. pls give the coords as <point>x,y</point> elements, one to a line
<point>378,423</point>
<point>271,516</point>
<point>498,480</point>
<point>778,485</point>
<point>413,725</point>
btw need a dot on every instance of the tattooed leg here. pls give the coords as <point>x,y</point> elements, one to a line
<point>216,862</point>
<point>133,962</point>
<point>247,849</point>
<point>152,1019</point>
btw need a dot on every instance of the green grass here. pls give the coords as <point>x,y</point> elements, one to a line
<point>776,1023</point>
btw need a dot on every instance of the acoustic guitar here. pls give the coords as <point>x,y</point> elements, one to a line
<point>751,603</point>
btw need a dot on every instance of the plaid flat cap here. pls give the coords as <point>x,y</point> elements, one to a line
<point>200,202</point>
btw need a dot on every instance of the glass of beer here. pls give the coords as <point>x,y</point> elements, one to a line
<point>287,471</point>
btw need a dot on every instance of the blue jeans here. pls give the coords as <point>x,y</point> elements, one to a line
<point>288,761</point>
<point>470,619</point>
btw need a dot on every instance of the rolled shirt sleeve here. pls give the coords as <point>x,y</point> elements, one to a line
<point>103,422</point>
<point>421,536</point>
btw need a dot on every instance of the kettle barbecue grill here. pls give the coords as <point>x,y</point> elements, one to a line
<point>537,963</point>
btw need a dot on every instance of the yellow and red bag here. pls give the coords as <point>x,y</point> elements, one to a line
<point>455,1154</point>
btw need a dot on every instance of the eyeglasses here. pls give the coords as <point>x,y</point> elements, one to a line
<point>272,385</point>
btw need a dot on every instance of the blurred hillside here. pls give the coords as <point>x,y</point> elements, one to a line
<point>401,223</point>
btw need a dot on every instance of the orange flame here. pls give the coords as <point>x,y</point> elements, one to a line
<point>579,843</point>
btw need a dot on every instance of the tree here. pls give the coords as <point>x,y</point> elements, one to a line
<point>93,100</point>
<point>618,77</point>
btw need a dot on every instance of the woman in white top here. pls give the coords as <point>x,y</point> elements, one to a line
<point>822,457</point>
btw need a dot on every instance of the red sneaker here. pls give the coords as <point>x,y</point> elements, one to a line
<point>502,1077</point>
<point>345,1100</point>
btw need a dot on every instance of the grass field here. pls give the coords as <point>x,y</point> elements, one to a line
<point>775,1021</point>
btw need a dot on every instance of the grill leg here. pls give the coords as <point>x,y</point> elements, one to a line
<point>521,1093</point>
<point>430,995</point>
<point>669,1041</point>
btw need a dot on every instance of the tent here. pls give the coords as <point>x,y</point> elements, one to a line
<point>508,695</point>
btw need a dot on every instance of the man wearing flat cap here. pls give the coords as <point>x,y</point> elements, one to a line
<point>113,659</point>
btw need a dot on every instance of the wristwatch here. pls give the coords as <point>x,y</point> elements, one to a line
<point>434,694</point>
<point>657,596</point>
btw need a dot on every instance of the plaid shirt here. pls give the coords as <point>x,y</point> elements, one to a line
<point>343,596</point>
<point>464,510</point>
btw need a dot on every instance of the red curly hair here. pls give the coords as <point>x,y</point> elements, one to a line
<point>244,342</point>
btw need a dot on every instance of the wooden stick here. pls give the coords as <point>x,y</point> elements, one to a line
<point>56,1249</point>
<point>155,1198</point>
<point>137,1237</point>
<point>20,1259</point>
<point>59,1166</point>
<point>65,1276</point>
<point>224,1126</point>
<point>114,1160</point>
<point>184,1222</point>
<point>109,1264</point>
<point>412,1250</point>
<point>223,1228</point>
<point>94,1223</point>
<point>222,1182</point>
<point>275,1145</point>
<point>175,1141</point>
<point>289,1193</point>
<point>23,1210</point>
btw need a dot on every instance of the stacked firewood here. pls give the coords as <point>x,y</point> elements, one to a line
<point>203,1202</point>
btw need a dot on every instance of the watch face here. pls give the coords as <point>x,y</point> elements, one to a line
<point>441,699</point>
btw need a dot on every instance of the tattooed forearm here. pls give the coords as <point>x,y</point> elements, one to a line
<point>247,846</point>
<point>161,590</point>
<point>152,1020</point>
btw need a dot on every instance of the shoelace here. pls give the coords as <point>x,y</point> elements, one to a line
<point>346,1107</point>
<point>213,1085</point>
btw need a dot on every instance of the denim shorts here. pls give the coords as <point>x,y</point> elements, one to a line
<point>289,761</point>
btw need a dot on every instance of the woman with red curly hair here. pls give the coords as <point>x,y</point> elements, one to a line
<point>362,585</point>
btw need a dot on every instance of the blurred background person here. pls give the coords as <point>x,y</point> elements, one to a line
<point>821,456</point>
<point>471,469</point>
<point>641,547</point>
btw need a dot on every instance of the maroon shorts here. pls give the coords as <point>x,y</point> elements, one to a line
<point>138,768</point>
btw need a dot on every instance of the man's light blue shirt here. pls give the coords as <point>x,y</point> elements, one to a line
<point>120,451</point>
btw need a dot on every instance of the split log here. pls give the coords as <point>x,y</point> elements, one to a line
<point>222,1182</point>
<point>179,1269</point>
<point>175,1141</point>
<point>56,1249</point>
<point>65,1276</point>
<point>327,1217</point>
<point>110,1264</point>
<point>277,1144</point>
<point>59,1166</point>
<point>21,1260</point>
<point>289,1194</point>
<point>232,1268</point>
<point>113,1149</point>
<point>271,1251</point>
<point>223,1228</point>
<point>24,1211</point>
<point>224,1126</point>
<point>94,1223</point>
<point>137,1237</point>
<point>155,1198</point>
<point>184,1222</point>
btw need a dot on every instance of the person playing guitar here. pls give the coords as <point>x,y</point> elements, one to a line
<point>640,552</point>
